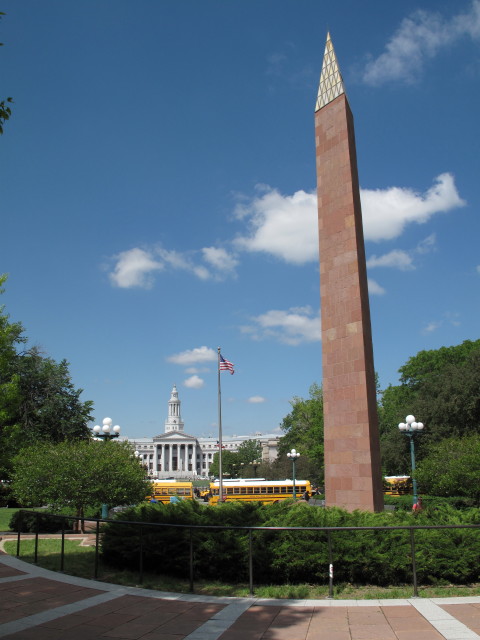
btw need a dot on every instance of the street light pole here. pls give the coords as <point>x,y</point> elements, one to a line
<point>104,433</point>
<point>409,428</point>
<point>293,455</point>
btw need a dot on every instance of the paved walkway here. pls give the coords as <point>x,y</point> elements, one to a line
<point>42,605</point>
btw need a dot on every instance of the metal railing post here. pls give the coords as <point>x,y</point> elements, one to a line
<point>62,547</point>
<point>37,526</point>
<point>141,556</point>
<point>330,566</point>
<point>20,522</point>
<point>414,564</point>
<point>191,560</point>
<point>250,560</point>
<point>97,541</point>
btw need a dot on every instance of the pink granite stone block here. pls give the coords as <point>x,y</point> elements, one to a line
<point>351,428</point>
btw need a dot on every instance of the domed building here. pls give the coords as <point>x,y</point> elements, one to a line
<point>175,454</point>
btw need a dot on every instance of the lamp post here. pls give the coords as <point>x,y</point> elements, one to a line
<point>106,432</point>
<point>237,468</point>
<point>409,428</point>
<point>293,455</point>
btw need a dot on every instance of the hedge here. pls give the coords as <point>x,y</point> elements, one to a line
<point>361,557</point>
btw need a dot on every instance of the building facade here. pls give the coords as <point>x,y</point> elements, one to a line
<point>175,454</point>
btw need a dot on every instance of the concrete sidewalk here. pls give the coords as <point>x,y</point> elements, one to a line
<point>42,605</point>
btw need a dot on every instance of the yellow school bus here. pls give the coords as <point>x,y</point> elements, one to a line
<point>397,485</point>
<point>164,490</point>
<point>265,491</point>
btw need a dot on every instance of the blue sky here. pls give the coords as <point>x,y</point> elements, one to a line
<point>158,192</point>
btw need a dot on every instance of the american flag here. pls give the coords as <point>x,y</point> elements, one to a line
<point>225,365</point>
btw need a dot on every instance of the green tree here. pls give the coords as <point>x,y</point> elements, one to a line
<point>5,111</point>
<point>442,389</point>
<point>38,400</point>
<point>248,451</point>
<point>282,467</point>
<point>11,337</point>
<point>50,407</point>
<point>452,468</point>
<point>426,364</point>
<point>395,404</point>
<point>78,474</point>
<point>303,427</point>
<point>230,463</point>
<point>449,402</point>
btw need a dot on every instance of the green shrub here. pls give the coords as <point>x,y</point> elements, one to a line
<point>7,498</point>
<point>430,502</point>
<point>167,549</point>
<point>363,556</point>
<point>26,521</point>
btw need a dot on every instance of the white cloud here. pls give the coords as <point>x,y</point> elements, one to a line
<point>431,327</point>
<point>397,259</point>
<point>286,226</point>
<point>294,326</point>
<point>448,317</point>
<point>374,289</point>
<point>453,318</point>
<point>220,259</point>
<point>426,245</point>
<point>275,62</point>
<point>418,39</point>
<point>256,399</point>
<point>386,212</point>
<point>194,382</point>
<point>202,272</point>
<point>174,259</point>
<point>193,370</point>
<point>194,356</point>
<point>134,268</point>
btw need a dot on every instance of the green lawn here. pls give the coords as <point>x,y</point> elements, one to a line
<point>80,561</point>
<point>6,514</point>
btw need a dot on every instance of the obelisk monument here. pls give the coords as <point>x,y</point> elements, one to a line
<point>352,452</point>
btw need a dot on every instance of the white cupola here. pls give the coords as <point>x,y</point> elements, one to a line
<point>174,421</point>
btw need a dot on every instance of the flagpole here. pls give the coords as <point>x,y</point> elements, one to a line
<point>220,447</point>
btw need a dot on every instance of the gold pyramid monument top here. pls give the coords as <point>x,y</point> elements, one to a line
<point>331,82</point>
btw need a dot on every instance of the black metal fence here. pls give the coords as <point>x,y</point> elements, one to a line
<point>140,526</point>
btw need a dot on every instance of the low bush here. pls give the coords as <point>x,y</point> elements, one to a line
<point>167,549</point>
<point>364,556</point>
<point>26,522</point>
<point>430,502</point>
<point>7,498</point>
